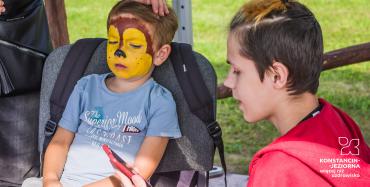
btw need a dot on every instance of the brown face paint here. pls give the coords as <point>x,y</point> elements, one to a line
<point>123,23</point>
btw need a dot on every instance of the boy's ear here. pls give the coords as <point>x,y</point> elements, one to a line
<point>162,54</point>
<point>278,75</point>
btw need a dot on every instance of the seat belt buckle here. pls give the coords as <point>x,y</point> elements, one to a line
<point>50,128</point>
<point>214,130</point>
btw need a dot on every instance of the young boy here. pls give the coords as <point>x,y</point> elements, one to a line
<point>125,109</point>
<point>275,49</point>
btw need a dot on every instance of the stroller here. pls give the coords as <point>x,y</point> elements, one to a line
<point>187,74</point>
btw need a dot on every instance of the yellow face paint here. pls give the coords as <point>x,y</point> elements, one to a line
<point>129,53</point>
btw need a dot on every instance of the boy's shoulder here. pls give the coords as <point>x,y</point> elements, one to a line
<point>93,77</point>
<point>90,79</point>
<point>160,95</point>
<point>158,90</point>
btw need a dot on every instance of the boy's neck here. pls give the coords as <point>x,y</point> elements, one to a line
<point>119,85</point>
<point>291,111</point>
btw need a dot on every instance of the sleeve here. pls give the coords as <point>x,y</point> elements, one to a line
<point>280,169</point>
<point>163,120</point>
<point>71,116</point>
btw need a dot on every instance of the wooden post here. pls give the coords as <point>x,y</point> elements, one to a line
<point>57,20</point>
<point>346,56</point>
<point>333,59</point>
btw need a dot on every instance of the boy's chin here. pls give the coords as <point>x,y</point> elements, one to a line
<point>251,119</point>
<point>131,79</point>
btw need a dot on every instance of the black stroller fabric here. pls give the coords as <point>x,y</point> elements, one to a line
<point>24,45</point>
<point>19,157</point>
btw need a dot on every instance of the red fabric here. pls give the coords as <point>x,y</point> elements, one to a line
<point>294,158</point>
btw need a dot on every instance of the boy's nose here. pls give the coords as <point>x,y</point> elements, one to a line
<point>120,53</point>
<point>229,81</point>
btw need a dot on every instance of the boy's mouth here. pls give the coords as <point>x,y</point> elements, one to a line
<point>120,66</point>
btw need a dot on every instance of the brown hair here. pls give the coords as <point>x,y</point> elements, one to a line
<point>164,26</point>
<point>284,31</point>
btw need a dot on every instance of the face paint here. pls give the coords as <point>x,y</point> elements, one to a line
<point>129,48</point>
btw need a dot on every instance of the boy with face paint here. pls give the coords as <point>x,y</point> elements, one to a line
<point>125,109</point>
<point>129,49</point>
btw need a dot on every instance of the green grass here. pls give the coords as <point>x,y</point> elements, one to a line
<point>344,23</point>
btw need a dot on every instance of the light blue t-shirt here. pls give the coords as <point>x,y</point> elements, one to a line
<point>122,120</point>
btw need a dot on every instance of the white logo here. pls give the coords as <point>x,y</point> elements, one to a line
<point>349,147</point>
<point>131,129</point>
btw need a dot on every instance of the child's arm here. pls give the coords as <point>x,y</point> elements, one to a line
<point>56,155</point>
<point>2,8</point>
<point>149,155</point>
<point>146,161</point>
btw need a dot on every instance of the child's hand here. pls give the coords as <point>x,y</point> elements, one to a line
<point>2,8</point>
<point>137,180</point>
<point>159,6</point>
<point>52,183</point>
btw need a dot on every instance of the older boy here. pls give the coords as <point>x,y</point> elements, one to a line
<point>275,50</point>
<point>125,109</point>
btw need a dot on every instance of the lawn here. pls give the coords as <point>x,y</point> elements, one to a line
<point>344,23</point>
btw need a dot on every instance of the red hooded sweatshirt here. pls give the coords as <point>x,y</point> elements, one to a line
<point>325,150</point>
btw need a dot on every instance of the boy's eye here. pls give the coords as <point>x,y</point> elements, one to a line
<point>113,42</point>
<point>235,71</point>
<point>135,46</point>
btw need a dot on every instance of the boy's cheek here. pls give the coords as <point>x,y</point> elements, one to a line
<point>138,64</point>
<point>111,57</point>
<point>110,53</point>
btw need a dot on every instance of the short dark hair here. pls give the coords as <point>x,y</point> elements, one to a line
<point>164,26</point>
<point>284,31</point>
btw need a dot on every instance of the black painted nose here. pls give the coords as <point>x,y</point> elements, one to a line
<point>120,53</point>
